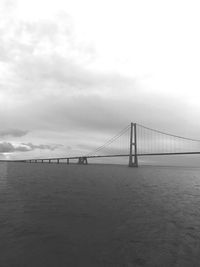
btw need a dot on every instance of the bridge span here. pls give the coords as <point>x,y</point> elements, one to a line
<point>133,141</point>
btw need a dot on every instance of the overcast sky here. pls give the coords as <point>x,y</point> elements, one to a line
<point>73,73</point>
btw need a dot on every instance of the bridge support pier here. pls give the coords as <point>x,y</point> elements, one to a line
<point>133,142</point>
<point>82,160</point>
<point>58,161</point>
<point>67,161</point>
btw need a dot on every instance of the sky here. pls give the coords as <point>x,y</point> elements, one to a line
<point>74,73</point>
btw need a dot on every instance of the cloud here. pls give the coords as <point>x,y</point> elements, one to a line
<point>66,94</point>
<point>45,84</point>
<point>22,39</point>
<point>7,147</point>
<point>49,147</point>
<point>48,85</point>
<point>13,132</point>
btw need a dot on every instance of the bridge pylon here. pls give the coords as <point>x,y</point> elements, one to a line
<point>133,143</point>
<point>82,160</point>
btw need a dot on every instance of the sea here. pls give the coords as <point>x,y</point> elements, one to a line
<point>99,215</point>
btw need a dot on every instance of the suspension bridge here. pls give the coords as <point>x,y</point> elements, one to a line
<point>132,142</point>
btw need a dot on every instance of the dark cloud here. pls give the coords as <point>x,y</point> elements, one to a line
<point>96,112</point>
<point>7,147</point>
<point>66,94</point>
<point>13,132</point>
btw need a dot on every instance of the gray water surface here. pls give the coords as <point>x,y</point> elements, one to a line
<point>59,215</point>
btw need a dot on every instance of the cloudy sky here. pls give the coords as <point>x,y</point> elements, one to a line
<point>73,73</point>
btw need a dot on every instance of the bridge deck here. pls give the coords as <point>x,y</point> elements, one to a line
<point>106,156</point>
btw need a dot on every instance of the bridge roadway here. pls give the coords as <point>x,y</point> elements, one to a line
<point>49,160</point>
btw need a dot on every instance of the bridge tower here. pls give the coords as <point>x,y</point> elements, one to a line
<point>82,160</point>
<point>133,146</point>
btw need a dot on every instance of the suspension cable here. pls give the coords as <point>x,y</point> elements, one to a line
<point>176,136</point>
<point>108,142</point>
